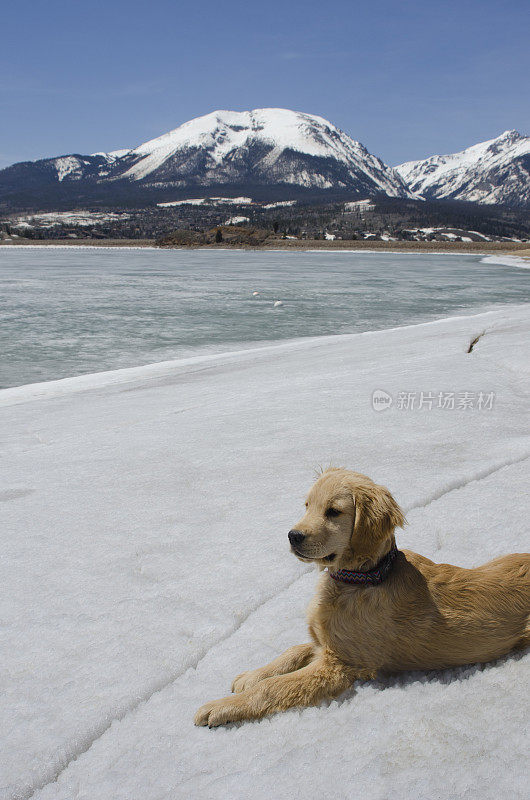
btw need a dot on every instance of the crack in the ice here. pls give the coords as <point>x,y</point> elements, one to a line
<point>100,731</point>
<point>192,663</point>
<point>459,484</point>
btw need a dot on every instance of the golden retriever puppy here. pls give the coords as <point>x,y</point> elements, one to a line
<point>378,608</point>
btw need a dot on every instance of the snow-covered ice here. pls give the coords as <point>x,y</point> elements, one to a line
<point>145,562</point>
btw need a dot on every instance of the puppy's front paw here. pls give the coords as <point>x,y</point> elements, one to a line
<point>202,715</point>
<point>246,680</point>
<point>221,712</point>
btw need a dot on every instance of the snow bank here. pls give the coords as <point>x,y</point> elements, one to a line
<point>69,246</point>
<point>145,562</point>
<point>508,261</point>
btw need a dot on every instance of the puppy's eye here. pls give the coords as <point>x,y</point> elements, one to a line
<point>332,512</point>
<point>306,504</point>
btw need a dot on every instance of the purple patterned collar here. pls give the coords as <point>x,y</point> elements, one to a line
<point>372,576</point>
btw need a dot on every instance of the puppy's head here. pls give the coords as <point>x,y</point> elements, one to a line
<point>349,521</point>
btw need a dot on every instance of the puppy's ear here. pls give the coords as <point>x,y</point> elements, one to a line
<point>376,516</point>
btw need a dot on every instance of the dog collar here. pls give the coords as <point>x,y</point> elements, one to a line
<point>372,576</point>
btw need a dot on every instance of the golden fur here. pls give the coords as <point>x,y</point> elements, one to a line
<point>423,616</point>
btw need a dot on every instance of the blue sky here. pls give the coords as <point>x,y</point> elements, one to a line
<point>408,79</point>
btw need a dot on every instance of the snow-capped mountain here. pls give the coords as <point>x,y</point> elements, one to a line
<point>264,147</point>
<point>267,145</point>
<point>269,154</point>
<point>496,171</point>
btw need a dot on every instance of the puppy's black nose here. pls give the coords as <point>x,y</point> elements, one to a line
<point>296,538</point>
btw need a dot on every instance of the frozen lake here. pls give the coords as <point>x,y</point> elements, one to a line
<point>145,563</point>
<point>75,311</point>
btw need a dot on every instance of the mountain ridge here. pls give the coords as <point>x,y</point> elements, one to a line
<point>272,153</point>
<point>264,147</point>
<point>494,171</point>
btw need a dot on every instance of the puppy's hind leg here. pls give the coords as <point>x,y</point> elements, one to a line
<point>292,659</point>
<point>525,639</point>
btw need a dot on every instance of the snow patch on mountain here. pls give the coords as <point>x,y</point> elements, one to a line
<point>68,165</point>
<point>209,201</point>
<point>222,132</point>
<point>237,220</point>
<point>495,171</point>
<point>114,154</point>
<point>81,218</point>
<point>280,204</point>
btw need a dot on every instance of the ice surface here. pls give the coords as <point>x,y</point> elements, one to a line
<point>145,563</point>
<point>67,311</point>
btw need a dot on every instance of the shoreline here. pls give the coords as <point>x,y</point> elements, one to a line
<point>489,248</point>
<point>73,384</point>
<point>123,374</point>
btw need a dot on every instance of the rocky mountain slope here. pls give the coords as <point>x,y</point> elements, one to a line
<point>269,147</point>
<point>496,171</point>
<point>266,154</point>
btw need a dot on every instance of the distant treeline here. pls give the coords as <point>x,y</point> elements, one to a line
<point>307,218</point>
